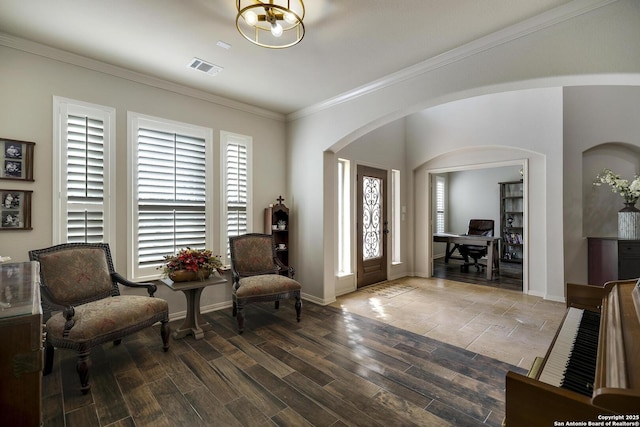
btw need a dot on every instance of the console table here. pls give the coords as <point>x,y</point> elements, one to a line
<point>21,352</point>
<point>193,324</point>
<point>612,259</point>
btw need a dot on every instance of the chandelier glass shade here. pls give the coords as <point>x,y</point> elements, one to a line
<point>275,24</point>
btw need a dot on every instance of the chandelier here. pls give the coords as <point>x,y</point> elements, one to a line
<point>275,24</point>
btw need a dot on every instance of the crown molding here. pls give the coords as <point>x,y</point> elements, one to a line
<point>102,67</point>
<point>539,22</point>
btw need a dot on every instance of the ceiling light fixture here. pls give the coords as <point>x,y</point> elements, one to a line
<point>275,24</point>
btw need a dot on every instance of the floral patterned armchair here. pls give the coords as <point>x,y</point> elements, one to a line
<point>255,269</point>
<point>82,305</point>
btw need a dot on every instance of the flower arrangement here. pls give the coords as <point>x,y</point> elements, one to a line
<point>199,261</point>
<point>630,191</point>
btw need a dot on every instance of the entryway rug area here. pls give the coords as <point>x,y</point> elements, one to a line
<point>332,368</point>
<point>387,289</point>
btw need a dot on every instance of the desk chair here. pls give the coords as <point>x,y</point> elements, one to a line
<point>477,227</point>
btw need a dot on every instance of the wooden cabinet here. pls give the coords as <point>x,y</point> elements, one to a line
<point>612,259</point>
<point>277,222</point>
<point>512,221</point>
<point>21,351</point>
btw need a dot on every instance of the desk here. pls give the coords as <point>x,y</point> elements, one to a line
<point>193,323</point>
<point>493,257</point>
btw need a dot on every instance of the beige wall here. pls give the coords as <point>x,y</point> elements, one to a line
<point>27,87</point>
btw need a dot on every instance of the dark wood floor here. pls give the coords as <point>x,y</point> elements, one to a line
<point>332,369</point>
<point>510,276</point>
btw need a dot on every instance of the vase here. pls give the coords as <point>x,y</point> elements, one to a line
<point>203,274</point>
<point>183,276</point>
<point>189,276</point>
<point>629,222</point>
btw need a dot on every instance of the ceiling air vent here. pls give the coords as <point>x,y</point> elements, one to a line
<point>204,66</point>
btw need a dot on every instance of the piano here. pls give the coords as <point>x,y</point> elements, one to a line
<point>591,370</point>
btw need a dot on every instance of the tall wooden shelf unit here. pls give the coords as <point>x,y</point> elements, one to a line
<point>277,222</point>
<point>512,221</point>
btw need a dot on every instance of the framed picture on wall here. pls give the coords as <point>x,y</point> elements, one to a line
<point>15,210</point>
<point>16,159</point>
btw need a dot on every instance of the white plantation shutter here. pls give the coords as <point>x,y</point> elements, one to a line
<point>440,204</point>
<point>171,190</point>
<point>82,139</point>
<point>236,190</point>
<point>236,160</point>
<point>85,174</point>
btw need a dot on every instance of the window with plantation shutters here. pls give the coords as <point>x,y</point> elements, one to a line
<point>440,204</point>
<point>170,191</point>
<point>236,150</point>
<point>82,140</point>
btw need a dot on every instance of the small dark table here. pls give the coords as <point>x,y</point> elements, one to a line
<point>193,323</point>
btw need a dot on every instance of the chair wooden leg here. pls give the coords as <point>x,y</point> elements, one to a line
<point>240,316</point>
<point>117,342</point>
<point>276,305</point>
<point>165,332</point>
<point>48,358</point>
<point>298,308</point>
<point>82,367</point>
<point>235,309</point>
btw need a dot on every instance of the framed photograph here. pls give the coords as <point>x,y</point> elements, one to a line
<point>15,210</point>
<point>16,159</point>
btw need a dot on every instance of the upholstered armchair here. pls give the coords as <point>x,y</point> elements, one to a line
<point>82,305</point>
<point>256,275</point>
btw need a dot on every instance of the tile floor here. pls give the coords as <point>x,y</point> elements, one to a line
<point>504,324</point>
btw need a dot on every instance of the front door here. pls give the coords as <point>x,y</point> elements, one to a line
<point>371,225</point>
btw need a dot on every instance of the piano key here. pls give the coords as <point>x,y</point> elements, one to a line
<point>572,360</point>
<point>553,370</point>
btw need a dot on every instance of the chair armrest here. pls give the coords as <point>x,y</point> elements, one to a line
<point>49,304</point>
<point>68,314</point>
<point>235,277</point>
<point>290,270</point>
<point>151,288</point>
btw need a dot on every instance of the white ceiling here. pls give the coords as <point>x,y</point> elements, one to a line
<point>348,43</point>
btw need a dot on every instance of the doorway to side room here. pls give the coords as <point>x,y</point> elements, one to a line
<point>474,193</point>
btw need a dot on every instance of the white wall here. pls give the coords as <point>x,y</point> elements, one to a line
<point>27,87</point>
<point>475,193</point>
<point>591,48</point>
<point>489,131</point>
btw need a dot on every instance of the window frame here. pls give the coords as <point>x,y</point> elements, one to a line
<point>227,138</point>
<point>439,182</point>
<point>345,237</point>
<point>396,217</point>
<point>62,108</point>
<point>135,121</point>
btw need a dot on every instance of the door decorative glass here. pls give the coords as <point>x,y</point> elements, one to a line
<point>371,217</point>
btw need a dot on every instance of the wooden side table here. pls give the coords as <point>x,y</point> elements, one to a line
<point>193,323</point>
